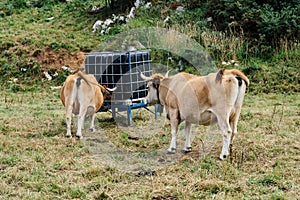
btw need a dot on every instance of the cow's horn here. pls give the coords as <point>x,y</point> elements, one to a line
<point>145,77</point>
<point>167,74</point>
<point>111,90</point>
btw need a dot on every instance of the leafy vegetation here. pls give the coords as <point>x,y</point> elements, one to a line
<point>38,162</point>
<point>260,36</point>
<point>266,21</point>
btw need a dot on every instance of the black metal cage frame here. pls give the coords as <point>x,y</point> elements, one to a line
<point>121,70</point>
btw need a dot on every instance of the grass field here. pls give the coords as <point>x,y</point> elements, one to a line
<point>38,162</point>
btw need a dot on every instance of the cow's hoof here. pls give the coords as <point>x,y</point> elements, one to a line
<point>79,137</point>
<point>222,157</point>
<point>187,150</point>
<point>69,136</point>
<point>92,130</point>
<point>171,151</point>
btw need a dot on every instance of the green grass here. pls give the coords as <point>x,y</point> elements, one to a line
<point>38,161</point>
<point>27,31</point>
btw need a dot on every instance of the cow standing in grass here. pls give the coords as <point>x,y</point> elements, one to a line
<point>204,100</point>
<point>82,95</point>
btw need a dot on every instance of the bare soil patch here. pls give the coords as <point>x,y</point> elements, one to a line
<point>47,57</point>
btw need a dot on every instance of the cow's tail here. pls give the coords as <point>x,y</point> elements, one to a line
<point>239,74</point>
<point>83,76</point>
<point>235,72</point>
<point>90,83</point>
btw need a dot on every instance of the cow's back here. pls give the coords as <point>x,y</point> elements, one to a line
<point>171,88</point>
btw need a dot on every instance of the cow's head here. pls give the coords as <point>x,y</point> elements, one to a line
<point>107,92</point>
<point>153,87</point>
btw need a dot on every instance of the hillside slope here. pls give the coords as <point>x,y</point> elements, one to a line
<point>34,39</point>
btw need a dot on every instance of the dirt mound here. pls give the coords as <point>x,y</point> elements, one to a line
<point>47,57</point>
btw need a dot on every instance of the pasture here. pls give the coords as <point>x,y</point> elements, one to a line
<point>38,162</point>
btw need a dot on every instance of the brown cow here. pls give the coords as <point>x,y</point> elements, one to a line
<point>82,95</point>
<point>205,100</point>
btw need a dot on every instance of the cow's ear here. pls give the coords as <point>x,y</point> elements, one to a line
<point>103,89</point>
<point>220,75</point>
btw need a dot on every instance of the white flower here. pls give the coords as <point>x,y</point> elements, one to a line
<point>131,13</point>
<point>148,5</point>
<point>209,19</point>
<point>167,19</point>
<point>137,3</point>
<point>107,30</point>
<point>95,8</point>
<point>121,18</point>
<point>65,68</point>
<point>108,22</point>
<point>50,18</point>
<point>48,76</point>
<point>114,17</point>
<point>180,9</point>
<point>97,24</point>
<point>225,63</point>
<point>103,27</point>
<point>55,87</point>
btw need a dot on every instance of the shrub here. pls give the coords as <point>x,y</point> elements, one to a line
<point>265,21</point>
<point>276,25</point>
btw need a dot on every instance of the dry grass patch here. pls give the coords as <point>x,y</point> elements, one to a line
<point>38,162</point>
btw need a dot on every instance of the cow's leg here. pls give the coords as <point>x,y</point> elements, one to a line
<point>68,120</point>
<point>226,143</point>
<point>234,122</point>
<point>167,118</point>
<point>92,114</point>
<point>233,125</point>
<point>174,128</point>
<point>223,122</point>
<point>237,107</point>
<point>172,148</point>
<point>92,126</point>
<point>187,146</point>
<point>80,122</point>
<point>79,126</point>
<point>226,134</point>
<point>234,131</point>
